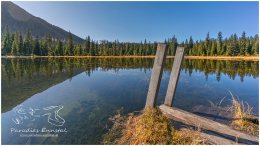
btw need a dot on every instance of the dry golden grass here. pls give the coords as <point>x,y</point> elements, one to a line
<point>243,118</point>
<point>187,137</point>
<point>150,127</point>
<point>253,58</point>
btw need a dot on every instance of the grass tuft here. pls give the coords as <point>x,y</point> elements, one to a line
<point>243,118</point>
<point>150,127</point>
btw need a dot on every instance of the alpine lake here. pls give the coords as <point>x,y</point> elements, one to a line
<point>70,100</point>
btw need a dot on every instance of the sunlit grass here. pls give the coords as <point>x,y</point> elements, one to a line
<point>187,137</point>
<point>150,127</point>
<point>243,118</point>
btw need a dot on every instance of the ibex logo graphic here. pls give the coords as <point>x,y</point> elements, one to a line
<point>52,113</point>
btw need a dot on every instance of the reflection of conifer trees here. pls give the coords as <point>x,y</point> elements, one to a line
<point>218,67</point>
<point>19,68</point>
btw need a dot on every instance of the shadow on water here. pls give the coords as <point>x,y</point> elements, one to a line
<point>91,90</point>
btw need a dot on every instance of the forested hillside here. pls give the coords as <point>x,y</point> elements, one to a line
<point>17,19</point>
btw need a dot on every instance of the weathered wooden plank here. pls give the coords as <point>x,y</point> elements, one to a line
<point>192,119</point>
<point>156,75</point>
<point>213,139</point>
<point>174,76</point>
<point>218,140</point>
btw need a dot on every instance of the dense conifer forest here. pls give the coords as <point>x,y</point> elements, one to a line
<point>18,45</point>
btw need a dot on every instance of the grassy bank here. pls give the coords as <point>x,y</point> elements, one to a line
<point>253,58</point>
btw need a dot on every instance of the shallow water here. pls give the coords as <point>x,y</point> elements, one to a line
<point>77,96</point>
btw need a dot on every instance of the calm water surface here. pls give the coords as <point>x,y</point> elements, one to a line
<point>76,97</point>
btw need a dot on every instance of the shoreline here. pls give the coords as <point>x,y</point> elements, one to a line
<point>249,58</point>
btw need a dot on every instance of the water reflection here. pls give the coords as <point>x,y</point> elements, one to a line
<point>19,69</point>
<point>91,90</point>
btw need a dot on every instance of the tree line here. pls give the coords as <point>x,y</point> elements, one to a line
<point>18,45</point>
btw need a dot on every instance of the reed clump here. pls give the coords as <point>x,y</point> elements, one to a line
<point>150,127</point>
<point>243,118</point>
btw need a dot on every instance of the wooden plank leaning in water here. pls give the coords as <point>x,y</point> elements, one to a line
<point>192,119</point>
<point>156,75</point>
<point>174,76</point>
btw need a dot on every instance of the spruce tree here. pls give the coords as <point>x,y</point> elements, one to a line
<point>15,44</point>
<point>87,46</point>
<point>243,44</point>
<point>36,47</point>
<point>213,48</point>
<point>70,46</point>
<point>59,48</point>
<point>206,45</point>
<point>19,44</point>
<point>219,45</point>
<point>7,42</point>
<point>27,48</point>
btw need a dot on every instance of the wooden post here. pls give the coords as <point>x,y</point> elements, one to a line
<point>174,76</point>
<point>156,75</point>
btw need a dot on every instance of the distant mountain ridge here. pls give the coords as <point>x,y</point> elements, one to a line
<point>17,19</point>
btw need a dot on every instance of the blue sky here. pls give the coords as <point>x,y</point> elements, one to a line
<point>155,21</point>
